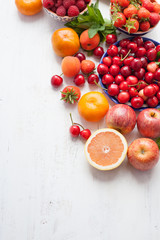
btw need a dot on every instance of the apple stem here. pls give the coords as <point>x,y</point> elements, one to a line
<point>152,114</point>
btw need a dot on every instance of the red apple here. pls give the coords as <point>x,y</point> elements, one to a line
<point>143,154</point>
<point>122,118</point>
<point>148,123</point>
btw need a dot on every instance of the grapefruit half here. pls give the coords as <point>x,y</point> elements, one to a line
<point>106,149</point>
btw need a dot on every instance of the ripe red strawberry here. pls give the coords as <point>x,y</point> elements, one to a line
<point>119,19</point>
<point>143,13</point>
<point>154,18</point>
<point>132,25</point>
<point>144,26</point>
<point>130,11</point>
<point>123,3</point>
<point>148,5</point>
<point>156,7</point>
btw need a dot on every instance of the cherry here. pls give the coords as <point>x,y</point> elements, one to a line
<point>125,71</point>
<point>74,130</point>
<point>152,101</point>
<point>102,69</point>
<point>141,84</point>
<point>111,38</point>
<point>79,79</point>
<point>144,62</point>
<point>138,40</point>
<point>157,74</point>
<point>137,102</point>
<point>133,92</point>
<point>149,91</point>
<point>149,76</point>
<point>85,133</point>
<point>132,46</point>
<point>93,78</point>
<point>132,80</point>
<point>107,61</point>
<point>56,81</point>
<point>155,86</point>
<point>140,73</point>
<point>158,48</point>
<point>123,52</point>
<point>158,95</point>
<point>114,70</point>
<point>148,44</point>
<point>123,86</point>
<point>141,51</point>
<point>141,94</point>
<point>136,64</point>
<point>113,89</point>
<point>80,56</point>
<point>123,97</point>
<point>118,79</point>
<point>112,50</point>
<point>124,43</point>
<point>151,54</point>
<point>152,67</point>
<point>107,79</point>
<point>98,52</point>
<point>127,61</point>
<point>117,61</point>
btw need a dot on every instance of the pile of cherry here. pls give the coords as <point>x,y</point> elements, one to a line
<point>130,72</point>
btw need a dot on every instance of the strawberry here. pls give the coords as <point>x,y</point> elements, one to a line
<point>143,13</point>
<point>144,26</point>
<point>132,25</point>
<point>156,7</point>
<point>119,19</point>
<point>123,3</point>
<point>148,5</point>
<point>130,11</point>
<point>154,18</point>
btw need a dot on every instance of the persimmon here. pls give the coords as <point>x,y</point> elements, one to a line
<point>29,7</point>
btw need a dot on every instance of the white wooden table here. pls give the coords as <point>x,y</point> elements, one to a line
<point>48,191</point>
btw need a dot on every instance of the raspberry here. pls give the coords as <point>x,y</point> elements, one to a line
<point>58,3</point>
<point>61,11</point>
<point>73,11</point>
<point>81,5</point>
<point>48,3</point>
<point>53,9</point>
<point>68,3</point>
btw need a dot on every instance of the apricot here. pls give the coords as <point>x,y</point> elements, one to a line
<point>70,66</point>
<point>89,43</point>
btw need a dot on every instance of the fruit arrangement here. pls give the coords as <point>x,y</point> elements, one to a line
<point>70,8</point>
<point>130,73</point>
<point>135,16</point>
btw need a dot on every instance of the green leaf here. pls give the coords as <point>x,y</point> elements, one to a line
<point>158,142</point>
<point>158,55</point>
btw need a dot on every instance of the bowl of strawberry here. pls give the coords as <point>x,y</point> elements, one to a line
<point>135,17</point>
<point>65,10</point>
<point>129,72</point>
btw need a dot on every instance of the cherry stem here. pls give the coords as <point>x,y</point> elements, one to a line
<point>71,119</point>
<point>100,86</point>
<point>73,123</point>
<point>122,59</point>
<point>79,125</point>
<point>61,74</point>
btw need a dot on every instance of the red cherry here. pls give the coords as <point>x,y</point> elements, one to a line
<point>123,97</point>
<point>80,56</point>
<point>141,51</point>
<point>140,73</point>
<point>107,61</point>
<point>125,71</point>
<point>152,67</point>
<point>102,69</point>
<point>158,95</point>
<point>74,130</point>
<point>111,38</point>
<point>151,54</point>
<point>114,70</point>
<point>123,86</point>
<point>117,61</point>
<point>85,133</point>
<point>149,44</point>
<point>141,84</point>
<point>152,101</point>
<point>118,79</point>
<point>132,46</point>
<point>138,40</point>
<point>127,61</point>
<point>56,81</point>
<point>158,48</point>
<point>98,52</point>
<point>136,64</point>
<point>124,43</point>
<point>113,89</point>
<point>107,79</point>
<point>112,50</point>
<point>132,80</point>
<point>144,62</point>
<point>149,91</point>
<point>133,92</point>
<point>79,79</point>
<point>123,52</point>
<point>155,86</point>
<point>93,78</point>
<point>137,102</point>
<point>157,74</point>
<point>149,76</point>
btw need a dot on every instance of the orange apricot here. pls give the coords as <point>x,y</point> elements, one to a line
<point>70,66</point>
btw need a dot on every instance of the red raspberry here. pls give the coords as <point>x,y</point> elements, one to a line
<point>48,3</point>
<point>53,9</point>
<point>61,11</point>
<point>68,3</point>
<point>144,26</point>
<point>58,3</point>
<point>81,5</point>
<point>73,11</point>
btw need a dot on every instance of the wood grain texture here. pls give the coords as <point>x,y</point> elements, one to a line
<point>48,191</point>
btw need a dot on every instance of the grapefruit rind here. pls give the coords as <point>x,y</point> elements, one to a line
<point>120,160</point>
